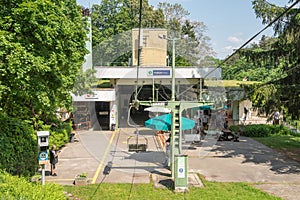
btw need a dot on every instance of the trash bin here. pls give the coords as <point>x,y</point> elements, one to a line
<point>113,127</point>
<point>181,172</point>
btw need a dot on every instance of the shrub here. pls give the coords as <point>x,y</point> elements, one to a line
<point>18,147</point>
<point>60,135</point>
<point>261,130</point>
<point>59,132</point>
<point>12,187</point>
<point>18,143</point>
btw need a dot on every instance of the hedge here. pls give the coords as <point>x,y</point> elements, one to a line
<point>260,130</point>
<point>18,144</point>
<point>18,147</point>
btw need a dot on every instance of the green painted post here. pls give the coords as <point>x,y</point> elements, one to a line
<point>181,173</point>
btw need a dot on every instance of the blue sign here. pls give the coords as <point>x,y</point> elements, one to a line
<point>157,72</point>
<point>43,155</point>
<point>181,170</point>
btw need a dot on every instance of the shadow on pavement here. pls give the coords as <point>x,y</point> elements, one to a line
<point>256,153</point>
<point>149,157</point>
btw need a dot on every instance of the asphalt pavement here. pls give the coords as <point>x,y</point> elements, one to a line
<point>104,156</point>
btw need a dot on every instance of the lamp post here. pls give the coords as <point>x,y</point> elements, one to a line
<point>161,36</point>
<point>173,70</point>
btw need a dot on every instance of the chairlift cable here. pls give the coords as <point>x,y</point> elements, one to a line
<point>164,92</point>
<point>253,37</point>
<point>105,175</point>
<point>135,103</point>
<point>139,50</point>
<point>132,180</point>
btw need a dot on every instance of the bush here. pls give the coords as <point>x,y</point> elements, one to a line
<point>261,130</point>
<point>18,147</point>
<point>12,187</point>
<point>18,144</point>
<point>60,135</point>
<point>59,132</point>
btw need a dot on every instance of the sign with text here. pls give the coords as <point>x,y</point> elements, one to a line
<point>159,72</point>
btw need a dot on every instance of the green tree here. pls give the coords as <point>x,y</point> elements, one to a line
<point>112,22</point>
<point>280,58</point>
<point>252,63</point>
<point>42,48</point>
<point>84,82</point>
<point>194,48</point>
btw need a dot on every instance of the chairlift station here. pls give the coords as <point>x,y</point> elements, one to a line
<point>152,83</point>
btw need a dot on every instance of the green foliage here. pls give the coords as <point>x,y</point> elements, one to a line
<point>82,175</point>
<point>12,187</point>
<point>266,97</point>
<point>281,53</point>
<point>212,190</point>
<point>273,61</point>
<point>112,22</point>
<point>261,130</point>
<point>18,147</point>
<point>42,47</point>
<point>286,144</point>
<point>195,48</point>
<point>252,63</point>
<point>84,82</point>
<point>103,83</point>
<point>112,17</point>
<point>60,134</point>
<point>18,143</point>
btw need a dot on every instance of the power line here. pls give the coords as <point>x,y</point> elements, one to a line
<point>249,40</point>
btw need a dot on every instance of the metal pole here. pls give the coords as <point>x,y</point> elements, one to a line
<point>172,157</point>
<point>200,90</point>
<point>43,174</point>
<point>173,70</point>
<point>153,89</point>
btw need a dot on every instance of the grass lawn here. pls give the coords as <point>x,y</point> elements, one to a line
<point>286,144</point>
<point>212,190</point>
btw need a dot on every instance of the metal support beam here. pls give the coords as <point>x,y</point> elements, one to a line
<point>173,70</point>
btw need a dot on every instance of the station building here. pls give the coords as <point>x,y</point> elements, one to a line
<point>108,107</point>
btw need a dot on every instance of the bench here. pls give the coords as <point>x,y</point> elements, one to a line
<point>228,136</point>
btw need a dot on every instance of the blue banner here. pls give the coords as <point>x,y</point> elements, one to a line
<point>157,72</point>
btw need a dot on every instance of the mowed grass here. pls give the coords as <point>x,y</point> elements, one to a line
<point>212,190</point>
<point>286,144</point>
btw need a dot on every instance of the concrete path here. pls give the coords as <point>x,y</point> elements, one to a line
<point>93,150</point>
<point>227,161</point>
<point>248,161</point>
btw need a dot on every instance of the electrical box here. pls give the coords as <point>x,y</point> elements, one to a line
<point>43,140</point>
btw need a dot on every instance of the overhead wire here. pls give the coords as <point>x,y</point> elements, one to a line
<point>139,48</point>
<point>278,79</point>
<point>253,37</point>
<point>105,175</point>
<point>247,42</point>
<point>137,82</point>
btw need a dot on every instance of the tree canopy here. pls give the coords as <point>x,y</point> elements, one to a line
<point>42,48</point>
<point>113,20</point>
<point>194,48</point>
<point>273,61</point>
